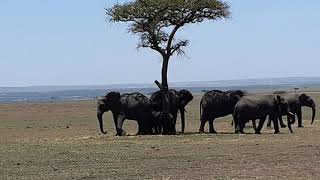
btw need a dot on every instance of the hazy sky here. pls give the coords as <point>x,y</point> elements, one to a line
<point>68,42</point>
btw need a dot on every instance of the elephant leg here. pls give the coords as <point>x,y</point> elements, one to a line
<point>120,131</point>
<point>164,124</point>
<point>156,130</point>
<point>275,124</point>
<point>148,124</point>
<point>242,125</point>
<point>202,124</point>
<point>174,124</point>
<point>236,124</point>
<point>254,125</point>
<point>157,127</point>
<point>261,123</point>
<point>211,128</point>
<point>299,115</point>
<point>281,123</point>
<point>293,118</point>
<point>115,117</point>
<point>183,121</point>
<point>160,127</point>
<point>269,122</point>
<point>168,124</point>
<point>144,128</point>
<point>155,122</point>
<point>140,129</point>
<point>232,120</point>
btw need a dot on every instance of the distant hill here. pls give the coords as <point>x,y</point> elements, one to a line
<point>71,93</point>
<point>291,81</point>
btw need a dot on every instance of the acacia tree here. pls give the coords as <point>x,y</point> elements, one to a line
<point>156,22</point>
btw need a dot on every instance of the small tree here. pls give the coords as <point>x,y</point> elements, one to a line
<point>157,22</point>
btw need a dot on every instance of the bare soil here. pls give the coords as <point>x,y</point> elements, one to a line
<point>62,141</point>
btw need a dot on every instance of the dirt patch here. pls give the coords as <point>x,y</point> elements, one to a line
<point>62,141</point>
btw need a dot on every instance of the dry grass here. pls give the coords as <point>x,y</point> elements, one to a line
<point>62,141</point>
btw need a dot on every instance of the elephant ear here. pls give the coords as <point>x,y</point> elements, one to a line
<point>303,96</point>
<point>101,99</point>
<point>245,93</point>
<point>185,94</point>
<point>278,102</point>
<point>112,96</point>
<point>240,93</point>
<point>234,98</point>
<point>278,99</point>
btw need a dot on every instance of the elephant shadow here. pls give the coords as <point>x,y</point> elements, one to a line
<point>207,133</point>
<point>196,133</point>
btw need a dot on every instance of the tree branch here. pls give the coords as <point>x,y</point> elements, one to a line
<point>158,84</point>
<point>175,29</point>
<point>177,47</point>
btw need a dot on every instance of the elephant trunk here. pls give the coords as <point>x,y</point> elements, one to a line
<point>99,116</point>
<point>313,114</point>
<point>183,122</point>
<point>289,117</point>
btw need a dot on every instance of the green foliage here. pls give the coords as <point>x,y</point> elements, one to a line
<point>157,21</point>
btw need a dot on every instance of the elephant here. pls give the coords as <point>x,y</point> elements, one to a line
<point>296,101</point>
<point>253,107</point>
<point>215,104</point>
<point>178,101</point>
<point>132,106</point>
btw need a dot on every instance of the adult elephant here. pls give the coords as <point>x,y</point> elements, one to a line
<point>178,101</point>
<point>296,102</point>
<point>253,107</point>
<point>132,106</point>
<point>215,104</point>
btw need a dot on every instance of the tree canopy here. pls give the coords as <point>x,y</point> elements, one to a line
<point>157,21</point>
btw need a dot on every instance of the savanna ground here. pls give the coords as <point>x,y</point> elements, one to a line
<point>62,141</point>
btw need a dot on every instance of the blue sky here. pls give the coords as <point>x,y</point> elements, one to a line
<point>59,42</point>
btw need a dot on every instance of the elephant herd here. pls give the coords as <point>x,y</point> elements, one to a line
<point>243,106</point>
<point>147,112</point>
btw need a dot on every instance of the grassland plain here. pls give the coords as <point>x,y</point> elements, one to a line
<point>62,141</point>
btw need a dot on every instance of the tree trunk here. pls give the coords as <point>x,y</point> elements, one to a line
<point>166,118</point>
<point>164,85</point>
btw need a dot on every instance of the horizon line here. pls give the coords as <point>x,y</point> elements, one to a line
<point>145,83</point>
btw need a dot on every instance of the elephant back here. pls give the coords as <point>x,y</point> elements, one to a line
<point>134,100</point>
<point>156,100</point>
<point>216,103</point>
<point>214,97</point>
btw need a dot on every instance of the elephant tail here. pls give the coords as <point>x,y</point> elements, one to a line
<point>235,116</point>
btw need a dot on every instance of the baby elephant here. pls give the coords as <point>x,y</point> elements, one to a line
<point>178,102</point>
<point>253,107</point>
